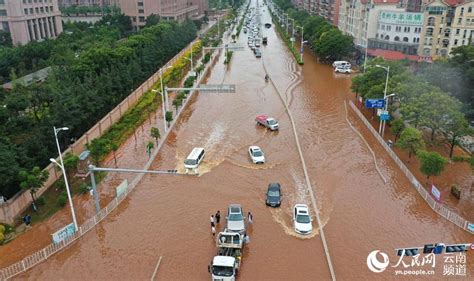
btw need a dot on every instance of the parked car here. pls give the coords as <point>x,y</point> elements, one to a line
<point>343,69</point>
<point>268,25</point>
<point>258,53</point>
<point>301,219</point>
<point>235,219</point>
<point>273,195</point>
<point>342,63</point>
<point>257,155</point>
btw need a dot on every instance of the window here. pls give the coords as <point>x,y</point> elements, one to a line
<point>398,29</point>
<point>414,40</point>
<point>31,10</point>
<point>141,11</point>
<point>426,51</point>
<point>140,4</point>
<point>442,19</point>
<point>383,27</point>
<point>405,39</point>
<point>447,32</point>
<point>141,19</point>
<point>47,9</point>
<point>462,11</point>
<point>469,10</point>
<point>429,31</point>
<point>389,27</point>
<point>42,10</point>
<point>387,37</point>
<point>444,52</point>
<point>25,10</point>
<point>459,20</point>
<point>397,38</point>
<point>37,10</point>
<point>457,31</point>
<point>431,21</point>
<point>455,42</point>
<point>3,12</point>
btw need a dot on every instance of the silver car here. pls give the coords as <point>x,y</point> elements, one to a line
<point>235,219</point>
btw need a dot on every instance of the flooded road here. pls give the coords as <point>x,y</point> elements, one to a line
<point>168,215</point>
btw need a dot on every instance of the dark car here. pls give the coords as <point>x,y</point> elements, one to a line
<point>273,195</point>
<point>268,25</point>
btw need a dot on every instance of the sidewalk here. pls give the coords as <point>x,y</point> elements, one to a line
<point>455,173</point>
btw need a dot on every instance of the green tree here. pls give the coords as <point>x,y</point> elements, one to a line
<point>432,164</point>
<point>32,180</point>
<point>396,127</point>
<point>152,19</point>
<point>155,133</point>
<point>169,117</point>
<point>149,147</point>
<point>333,45</point>
<point>98,149</point>
<point>412,140</point>
<point>114,147</point>
<point>435,109</point>
<point>457,126</point>
<point>177,102</point>
<point>70,162</point>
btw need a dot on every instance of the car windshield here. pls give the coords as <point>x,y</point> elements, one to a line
<point>273,193</point>
<point>272,122</point>
<point>257,153</point>
<point>222,270</point>
<point>303,219</point>
<point>190,162</point>
<point>236,217</point>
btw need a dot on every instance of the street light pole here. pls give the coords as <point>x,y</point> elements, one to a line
<point>387,68</point>
<point>162,90</point>
<point>64,174</point>
<point>366,34</point>
<point>162,107</point>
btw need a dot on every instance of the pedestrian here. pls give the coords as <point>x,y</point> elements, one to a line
<point>213,221</point>
<point>218,216</point>
<point>27,220</point>
<point>250,217</point>
<point>213,230</point>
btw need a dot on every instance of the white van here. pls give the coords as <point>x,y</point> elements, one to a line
<point>341,64</point>
<point>194,158</point>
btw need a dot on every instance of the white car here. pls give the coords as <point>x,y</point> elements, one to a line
<point>256,154</point>
<point>302,219</point>
<point>235,219</point>
<point>342,69</point>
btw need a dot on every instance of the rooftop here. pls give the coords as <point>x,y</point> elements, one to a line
<point>38,76</point>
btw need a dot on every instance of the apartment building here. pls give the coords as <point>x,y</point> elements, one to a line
<point>448,24</point>
<point>178,10</point>
<point>398,31</point>
<point>329,9</point>
<point>30,20</point>
<point>88,3</point>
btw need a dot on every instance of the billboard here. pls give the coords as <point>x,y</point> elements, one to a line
<point>63,233</point>
<point>401,18</point>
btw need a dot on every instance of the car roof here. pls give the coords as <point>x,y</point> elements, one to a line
<point>274,186</point>
<point>254,147</point>
<point>299,207</point>
<point>232,206</point>
<point>223,261</point>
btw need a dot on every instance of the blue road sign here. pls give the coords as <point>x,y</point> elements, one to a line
<point>385,117</point>
<point>374,103</point>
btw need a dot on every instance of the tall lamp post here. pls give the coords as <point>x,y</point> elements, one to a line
<point>386,68</point>
<point>162,87</point>
<point>56,131</point>
<point>366,33</point>
<point>162,106</point>
<point>302,42</point>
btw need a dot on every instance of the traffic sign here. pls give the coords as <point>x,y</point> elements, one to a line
<point>384,117</point>
<point>375,103</point>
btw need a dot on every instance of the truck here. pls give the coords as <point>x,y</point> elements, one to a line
<point>225,265</point>
<point>268,122</point>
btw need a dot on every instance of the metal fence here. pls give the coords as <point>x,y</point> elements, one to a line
<point>436,206</point>
<point>45,253</point>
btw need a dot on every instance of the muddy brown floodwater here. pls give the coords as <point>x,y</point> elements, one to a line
<point>168,215</point>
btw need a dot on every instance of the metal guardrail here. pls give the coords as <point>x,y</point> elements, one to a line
<point>43,254</point>
<point>437,207</point>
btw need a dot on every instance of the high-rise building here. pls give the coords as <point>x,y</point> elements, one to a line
<point>329,9</point>
<point>448,24</point>
<point>178,10</point>
<point>30,20</point>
